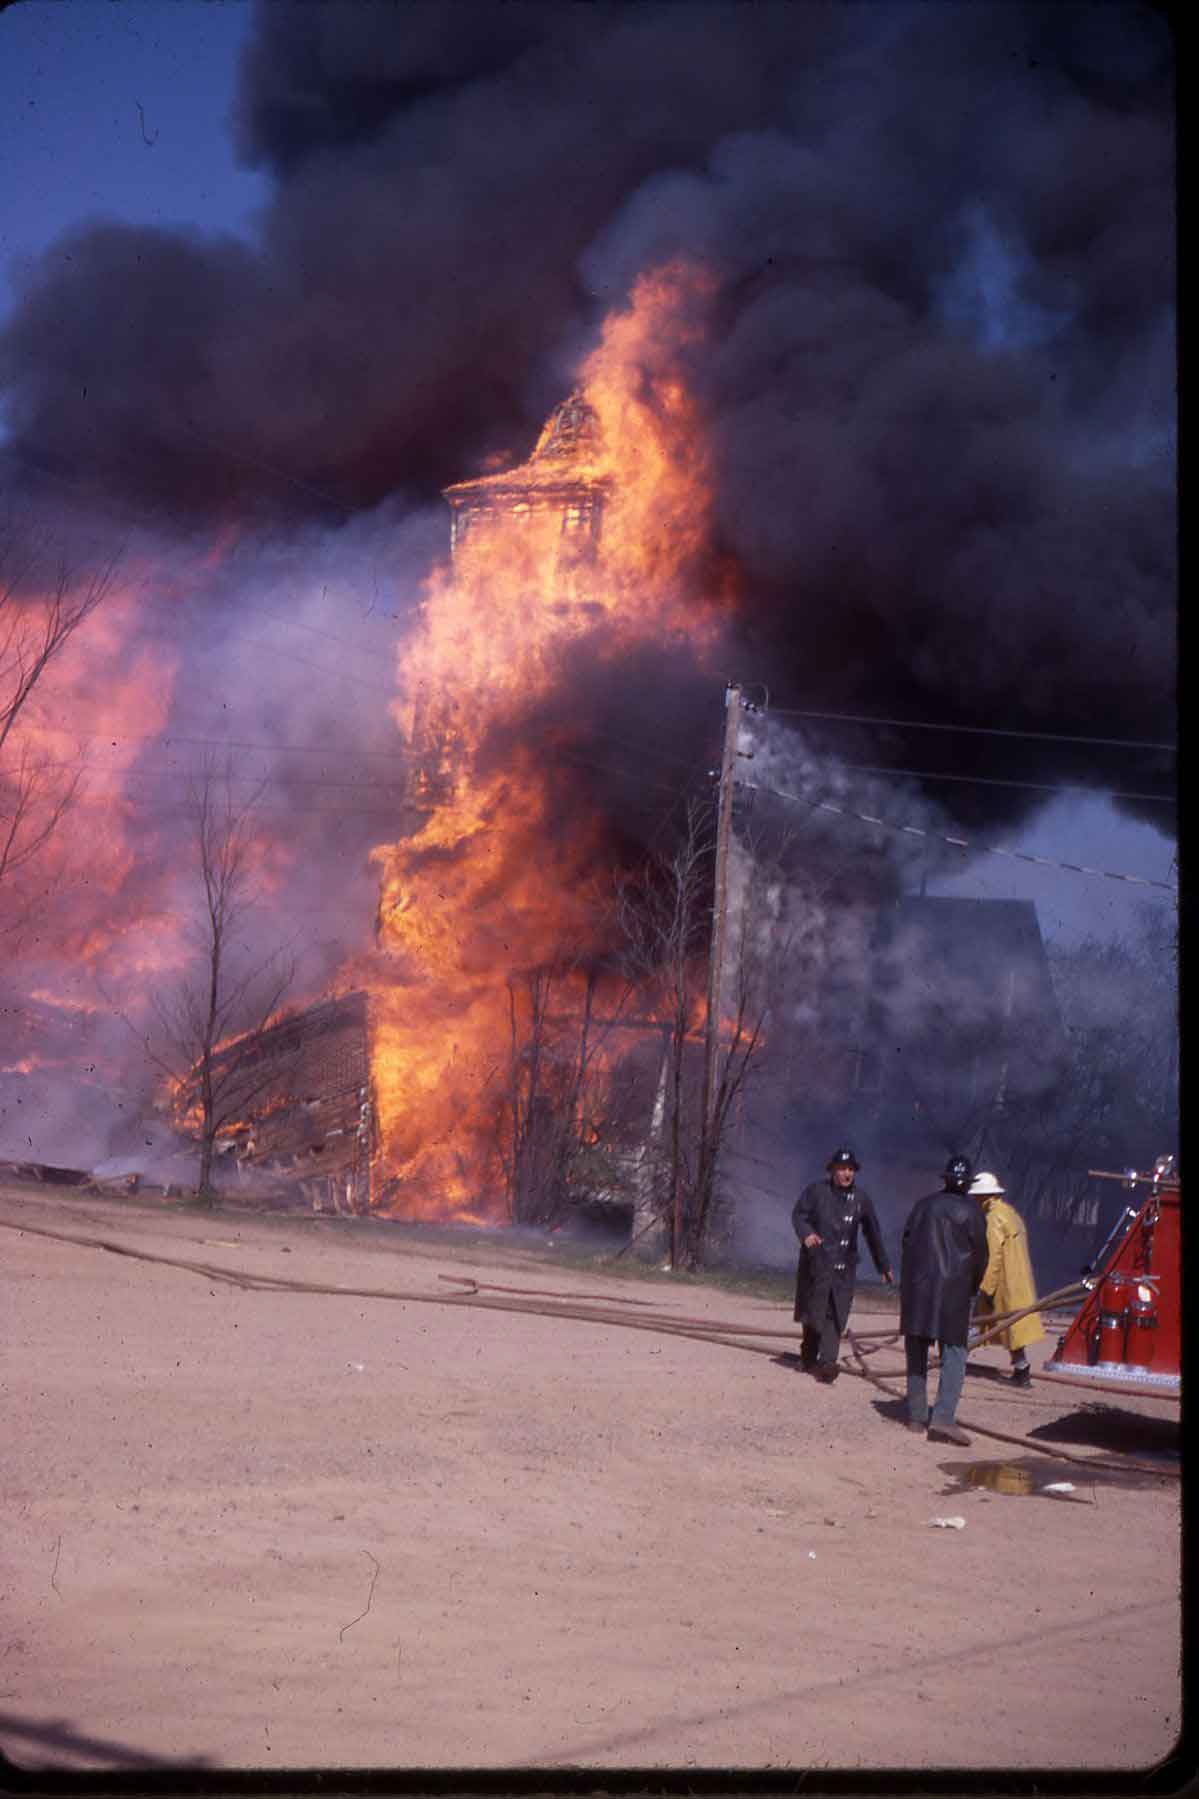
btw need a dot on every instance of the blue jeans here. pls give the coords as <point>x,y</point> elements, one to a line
<point>949,1387</point>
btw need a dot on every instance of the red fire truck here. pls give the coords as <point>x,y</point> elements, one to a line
<point>1127,1335</point>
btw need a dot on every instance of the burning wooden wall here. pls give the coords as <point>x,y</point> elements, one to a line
<point>311,1123</point>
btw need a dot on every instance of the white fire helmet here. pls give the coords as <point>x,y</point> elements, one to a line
<point>985,1186</point>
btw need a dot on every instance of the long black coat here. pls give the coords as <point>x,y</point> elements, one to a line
<point>944,1259</point>
<point>822,1208</point>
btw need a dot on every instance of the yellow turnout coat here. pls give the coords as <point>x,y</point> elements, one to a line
<point>1008,1281</point>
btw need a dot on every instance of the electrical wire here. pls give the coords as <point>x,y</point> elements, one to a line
<point>923,774</point>
<point>566,753</point>
<point>960,843</point>
<point>340,752</point>
<point>192,774</point>
<point>923,724</point>
<point>335,674</point>
<point>408,757</point>
<point>278,474</point>
<point>331,750</point>
<point>342,642</point>
<point>145,806</point>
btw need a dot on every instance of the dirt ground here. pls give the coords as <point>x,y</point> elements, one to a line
<point>249,1529</point>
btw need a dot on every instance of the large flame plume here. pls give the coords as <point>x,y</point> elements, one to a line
<point>591,540</point>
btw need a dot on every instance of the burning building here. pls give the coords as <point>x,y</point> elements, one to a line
<point>492,936</point>
<point>503,890</point>
<point>891,408</point>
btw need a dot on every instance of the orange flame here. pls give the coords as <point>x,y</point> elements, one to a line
<point>85,722</point>
<point>588,541</point>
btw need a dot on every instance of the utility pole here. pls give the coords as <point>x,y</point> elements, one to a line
<point>724,828</point>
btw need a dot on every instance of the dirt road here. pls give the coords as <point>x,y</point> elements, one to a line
<point>272,1529</point>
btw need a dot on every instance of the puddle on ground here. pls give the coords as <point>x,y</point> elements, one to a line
<point>1046,1476</point>
<point>1001,1477</point>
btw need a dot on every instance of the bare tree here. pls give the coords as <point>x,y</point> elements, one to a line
<point>534,1149</point>
<point>665,915</point>
<point>664,918</point>
<point>559,1134</point>
<point>209,1028</point>
<point>38,618</point>
<point>760,943</point>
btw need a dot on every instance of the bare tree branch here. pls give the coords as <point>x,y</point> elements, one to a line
<point>36,627</point>
<point>209,1028</point>
<point>37,622</point>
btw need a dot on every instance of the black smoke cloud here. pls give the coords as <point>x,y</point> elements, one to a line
<point>939,379</point>
<point>941,395</point>
<point>440,170</point>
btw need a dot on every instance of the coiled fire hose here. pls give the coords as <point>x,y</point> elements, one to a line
<point>590,1309</point>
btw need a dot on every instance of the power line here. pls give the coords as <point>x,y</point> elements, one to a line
<point>87,483</point>
<point>265,468</point>
<point>921,724</point>
<point>960,843</point>
<point>193,774</point>
<point>289,780</point>
<point>608,768</point>
<point>213,743</point>
<point>627,774</point>
<point>148,808</point>
<point>360,649</point>
<point>641,749</point>
<point>565,753</point>
<point>336,674</point>
<point>918,774</point>
<point>332,751</point>
<point>271,612</point>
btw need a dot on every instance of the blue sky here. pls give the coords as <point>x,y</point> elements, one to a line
<point>75,147</point>
<point>122,111</point>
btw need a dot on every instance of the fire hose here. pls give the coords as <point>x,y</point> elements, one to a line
<point>591,1309</point>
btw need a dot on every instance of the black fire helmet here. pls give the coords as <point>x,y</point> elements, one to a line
<point>958,1174</point>
<point>843,1158</point>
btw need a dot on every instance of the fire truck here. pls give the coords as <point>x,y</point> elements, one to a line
<point>1127,1335</point>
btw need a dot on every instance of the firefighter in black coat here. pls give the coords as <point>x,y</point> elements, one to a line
<point>944,1259</point>
<point>826,1217</point>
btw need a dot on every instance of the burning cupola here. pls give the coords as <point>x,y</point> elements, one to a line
<point>560,486</point>
<point>525,546</point>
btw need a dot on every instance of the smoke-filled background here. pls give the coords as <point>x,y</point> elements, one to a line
<point>934,372</point>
